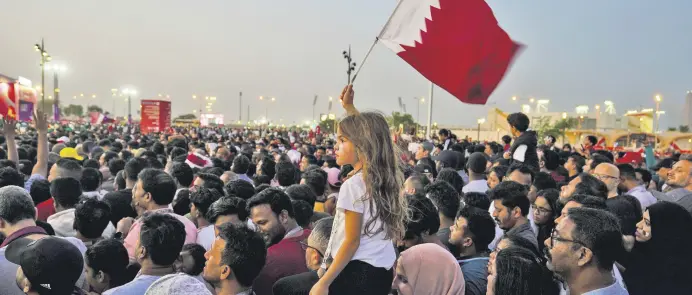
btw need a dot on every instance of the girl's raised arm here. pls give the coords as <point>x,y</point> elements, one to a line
<point>347,100</point>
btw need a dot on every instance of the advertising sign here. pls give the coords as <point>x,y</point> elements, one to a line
<point>16,100</point>
<point>156,116</point>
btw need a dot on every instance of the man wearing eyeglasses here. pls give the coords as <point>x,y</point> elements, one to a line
<point>610,175</point>
<point>582,249</point>
<point>314,247</point>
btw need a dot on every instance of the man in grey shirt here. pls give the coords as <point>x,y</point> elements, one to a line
<point>511,209</point>
<point>680,180</point>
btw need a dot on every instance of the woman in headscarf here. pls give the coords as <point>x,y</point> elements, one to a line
<point>659,259</point>
<point>428,269</point>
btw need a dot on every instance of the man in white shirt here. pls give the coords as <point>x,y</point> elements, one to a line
<point>200,201</point>
<point>66,193</point>
<point>476,166</point>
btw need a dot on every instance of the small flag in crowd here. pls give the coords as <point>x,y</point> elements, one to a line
<point>100,118</point>
<point>456,44</point>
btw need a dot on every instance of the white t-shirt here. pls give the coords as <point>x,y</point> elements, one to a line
<point>375,250</point>
<point>205,236</point>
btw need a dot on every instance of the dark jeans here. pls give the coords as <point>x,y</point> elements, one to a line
<point>363,279</point>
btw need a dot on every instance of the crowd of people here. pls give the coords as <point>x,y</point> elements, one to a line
<point>110,210</point>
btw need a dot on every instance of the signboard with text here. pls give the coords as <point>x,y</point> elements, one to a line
<point>156,116</point>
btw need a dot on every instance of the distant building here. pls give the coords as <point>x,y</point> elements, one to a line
<point>687,110</point>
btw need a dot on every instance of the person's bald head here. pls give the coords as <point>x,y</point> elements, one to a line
<point>610,175</point>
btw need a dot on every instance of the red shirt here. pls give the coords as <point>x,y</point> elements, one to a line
<point>45,209</point>
<point>285,258</point>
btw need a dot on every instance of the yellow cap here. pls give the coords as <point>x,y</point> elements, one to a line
<point>70,153</point>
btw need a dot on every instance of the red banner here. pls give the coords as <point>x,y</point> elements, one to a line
<point>156,116</point>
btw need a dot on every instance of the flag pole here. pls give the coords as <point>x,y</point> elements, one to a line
<point>428,132</point>
<point>376,40</point>
<point>360,65</point>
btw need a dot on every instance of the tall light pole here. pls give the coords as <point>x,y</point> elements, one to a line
<point>194,97</point>
<point>266,109</point>
<point>45,57</point>
<point>57,69</point>
<point>129,92</point>
<point>240,106</point>
<point>419,101</point>
<point>115,93</point>
<point>480,121</point>
<point>658,99</point>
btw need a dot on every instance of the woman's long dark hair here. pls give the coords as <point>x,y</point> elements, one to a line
<point>518,272</point>
<point>548,285</point>
<point>663,264</point>
<point>552,196</point>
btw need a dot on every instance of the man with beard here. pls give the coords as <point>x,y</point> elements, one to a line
<point>582,250</point>
<point>272,212</point>
<point>472,232</point>
<point>680,182</point>
<point>511,209</point>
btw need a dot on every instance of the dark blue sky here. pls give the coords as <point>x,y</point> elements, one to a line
<point>578,52</point>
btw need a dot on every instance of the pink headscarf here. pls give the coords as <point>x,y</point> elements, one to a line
<point>430,269</point>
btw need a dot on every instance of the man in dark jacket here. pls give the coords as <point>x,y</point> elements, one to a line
<point>523,149</point>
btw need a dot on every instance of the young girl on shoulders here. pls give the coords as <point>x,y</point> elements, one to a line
<point>370,209</point>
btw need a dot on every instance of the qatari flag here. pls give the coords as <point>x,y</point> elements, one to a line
<point>456,44</point>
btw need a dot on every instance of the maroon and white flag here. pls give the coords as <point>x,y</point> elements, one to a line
<point>456,44</point>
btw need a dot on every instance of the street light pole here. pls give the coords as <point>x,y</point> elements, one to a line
<point>115,92</point>
<point>129,109</point>
<point>478,136</point>
<point>658,105</point>
<point>480,121</point>
<point>44,58</point>
<point>417,112</point>
<point>240,106</point>
<point>129,93</point>
<point>56,94</point>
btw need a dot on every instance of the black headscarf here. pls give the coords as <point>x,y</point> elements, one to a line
<point>663,264</point>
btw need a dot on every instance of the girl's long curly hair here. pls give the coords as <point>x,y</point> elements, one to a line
<point>382,172</point>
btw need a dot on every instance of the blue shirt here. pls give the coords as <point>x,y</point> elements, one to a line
<point>30,181</point>
<point>138,286</point>
<point>614,289</point>
<point>475,272</point>
<point>244,177</point>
